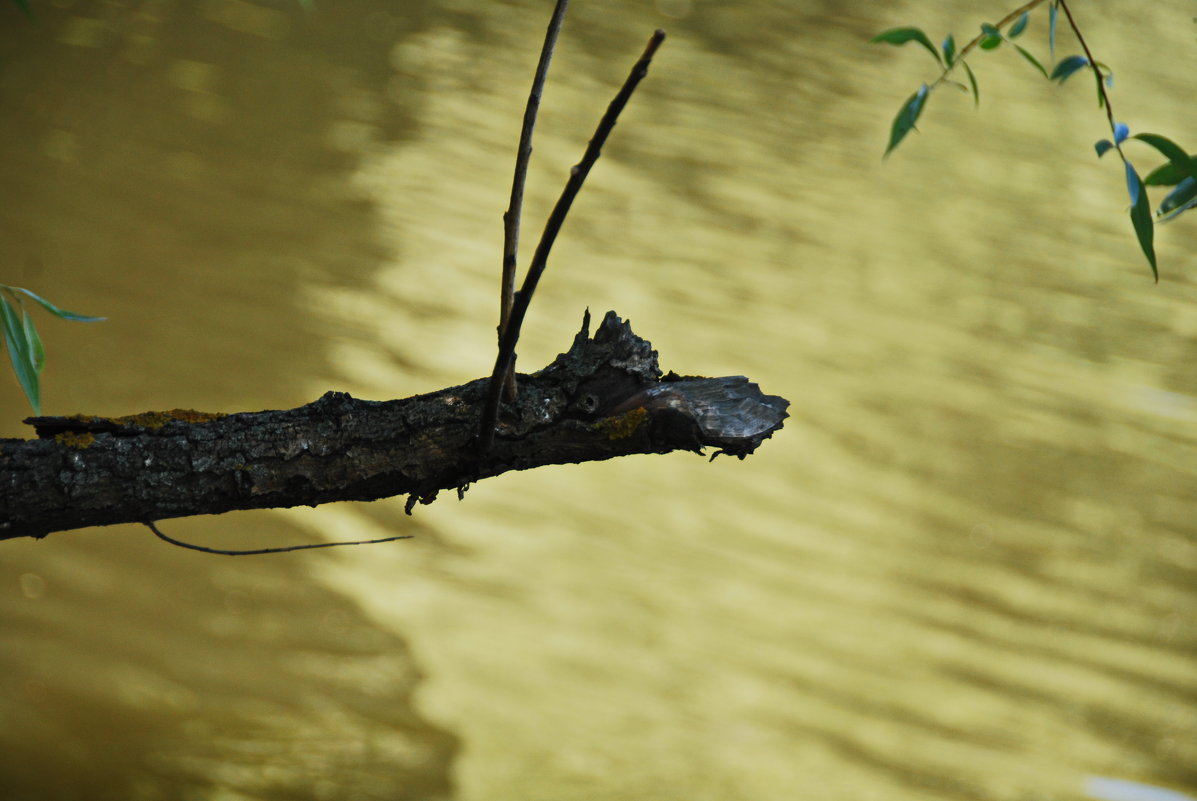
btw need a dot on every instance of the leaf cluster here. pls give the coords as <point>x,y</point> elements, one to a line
<point>1180,171</point>
<point>24,344</point>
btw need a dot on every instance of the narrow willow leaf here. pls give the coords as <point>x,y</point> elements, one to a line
<point>1167,174</point>
<point>1067,67</point>
<point>1183,195</point>
<point>900,36</point>
<point>37,353</point>
<point>1121,131</point>
<point>1134,186</point>
<point>907,116</point>
<point>993,37</point>
<point>19,355</point>
<point>1021,25</point>
<point>972,81</point>
<point>1180,162</point>
<point>1192,204</point>
<point>1103,146</point>
<point>50,307</point>
<point>949,50</point>
<point>1140,215</point>
<point>1034,61</point>
<point>1051,29</point>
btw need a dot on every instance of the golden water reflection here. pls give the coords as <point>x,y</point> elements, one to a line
<point>965,568</point>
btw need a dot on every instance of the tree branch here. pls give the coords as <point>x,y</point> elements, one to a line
<point>604,397</point>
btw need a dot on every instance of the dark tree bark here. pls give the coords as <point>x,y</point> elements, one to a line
<point>603,398</point>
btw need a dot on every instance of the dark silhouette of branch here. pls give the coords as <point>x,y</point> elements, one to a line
<point>577,176</point>
<point>604,397</point>
<point>511,218</point>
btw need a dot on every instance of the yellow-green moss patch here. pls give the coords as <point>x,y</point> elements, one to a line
<point>74,439</point>
<point>622,426</point>
<point>159,419</point>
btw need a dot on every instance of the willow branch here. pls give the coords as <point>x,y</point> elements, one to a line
<point>976,40</point>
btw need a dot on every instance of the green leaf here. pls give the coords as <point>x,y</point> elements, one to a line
<point>1192,204</point>
<point>33,342</point>
<point>1034,61</point>
<point>949,50</point>
<point>1166,174</point>
<point>19,355</point>
<point>972,81</point>
<point>992,38</point>
<point>50,307</point>
<point>1179,199</point>
<point>1051,29</point>
<point>1021,25</point>
<point>25,9</point>
<point>1067,67</point>
<point>907,116</point>
<point>1180,161</point>
<point>900,36</point>
<point>1140,215</point>
<point>1103,146</point>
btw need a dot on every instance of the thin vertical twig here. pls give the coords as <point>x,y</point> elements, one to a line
<point>577,176</point>
<point>511,217</point>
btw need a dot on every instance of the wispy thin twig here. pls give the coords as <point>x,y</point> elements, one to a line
<point>256,551</point>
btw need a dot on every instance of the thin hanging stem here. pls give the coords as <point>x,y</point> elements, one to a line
<point>1101,84</point>
<point>256,551</point>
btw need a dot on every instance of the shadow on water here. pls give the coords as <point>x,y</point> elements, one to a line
<point>182,169</point>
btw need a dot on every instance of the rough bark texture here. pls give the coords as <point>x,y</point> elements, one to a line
<point>603,398</point>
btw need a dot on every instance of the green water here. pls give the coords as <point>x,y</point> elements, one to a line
<point>965,569</point>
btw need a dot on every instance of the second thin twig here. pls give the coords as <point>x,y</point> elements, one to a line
<point>577,176</point>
